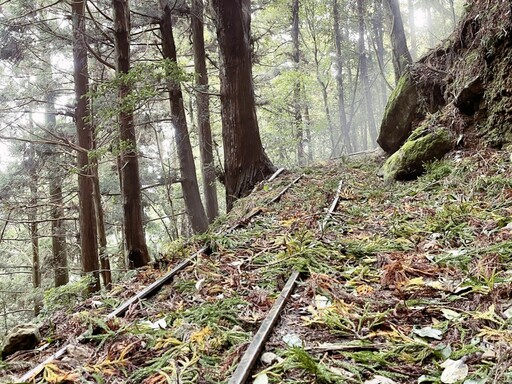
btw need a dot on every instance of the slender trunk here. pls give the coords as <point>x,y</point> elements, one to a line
<point>88,244</point>
<point>312,25</point>
<point>307,121</point>
<point>325,99</point>
<point>59,246</point>
<point>189,183</point>
<point>378,31</point>
<point>412,29</point>
<point>299,132</point>
<point>168,180</point>
<point>136,247</point>
<point>245,161</point>
<point>363,70</point>
<point>124,262</point>
<point>106,273</point>
<point>401,55</point>
<point>203,112</point>
<point>34,229</point>
<point>338,39</point>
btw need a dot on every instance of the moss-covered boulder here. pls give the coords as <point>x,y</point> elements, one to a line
<point>400,113</point>
<point>465,80</point>
<point>423,146</point>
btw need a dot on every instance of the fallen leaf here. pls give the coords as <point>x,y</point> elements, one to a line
<point>199,283</point>
<point>444,351</point>
<point>292,340</point>
<point>454,370</point>
<point>450,314</point>
<point>268,358</point>
<point>261,378</point>
<point>322,302</point>
<point>429,332</point>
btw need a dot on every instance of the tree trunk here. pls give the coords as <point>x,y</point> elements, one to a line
<point>106,273</point>
<point>412,29</point>
<point>378,32</point>
<point>85,188</point>
<point>203,112</point>
<point>307,121</point>
<point>59,246</point>
<point>245,161</point>
<point>189,183</point>
<point>33,227</point>
<point>299,131</point>
<point>338,39</point>
<point>363,71</point>
<point>136,247</point>
<point>401,55</point>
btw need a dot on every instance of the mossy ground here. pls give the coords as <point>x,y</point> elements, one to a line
<point>399,279</point>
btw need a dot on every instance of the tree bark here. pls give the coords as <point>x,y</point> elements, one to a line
<point>363,71</point>
<point>59,246</point>
<point>136,247</point>
<point>203,112</point>
<point>401,55</point>
<point>31,167</point>
<point>338,39</point>
<point>189,184</point>
<point>299,131</point>
<point>245,161</point>
<point>87,220</point>
<point>106,273</point>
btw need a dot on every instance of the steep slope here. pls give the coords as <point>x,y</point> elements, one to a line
<point>395,282</point>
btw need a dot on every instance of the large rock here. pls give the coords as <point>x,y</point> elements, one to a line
<point>424,145</point>
<point>401,111</point>
<point>22,337</point>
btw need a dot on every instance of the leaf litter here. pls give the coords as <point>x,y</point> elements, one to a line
<point>408,283</point>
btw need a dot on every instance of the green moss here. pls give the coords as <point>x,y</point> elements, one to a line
<point>403,84</point>
<point>425,145</point>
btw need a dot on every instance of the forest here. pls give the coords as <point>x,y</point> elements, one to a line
<point>136,133</point>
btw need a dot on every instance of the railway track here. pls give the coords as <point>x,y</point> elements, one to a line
<point>157,285</point>
<point>255,348</point>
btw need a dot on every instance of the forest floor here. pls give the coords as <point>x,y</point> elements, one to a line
<point>402,283</point>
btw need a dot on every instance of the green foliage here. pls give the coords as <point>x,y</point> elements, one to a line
<point>222,311</point>
<point>66,296</point>
<point>298,358</point>
<point>144,82</point>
